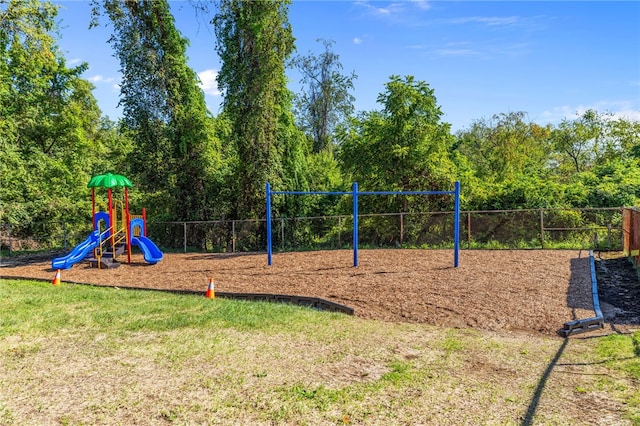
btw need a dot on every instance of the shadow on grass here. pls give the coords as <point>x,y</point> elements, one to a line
<point>535,400</point>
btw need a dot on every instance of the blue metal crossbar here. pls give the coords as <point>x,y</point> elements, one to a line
<point>308,193</point>
<point>355,193</point>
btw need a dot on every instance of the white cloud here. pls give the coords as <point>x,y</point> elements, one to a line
<point>410,13</point>
<point>357,40</point>
<point>101,79</point>
<point>628,115</point>
<point>499,23</point>
<point>422,4</point>
<point>75,61</point>
<point>617,109</point>
<point>488,20</point>
<point>391,10</point>
<point>456,52</point>
<point>209,82</point>
<point>482,50</point>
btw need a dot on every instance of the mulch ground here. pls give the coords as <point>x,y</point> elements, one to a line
<point>503,290</point>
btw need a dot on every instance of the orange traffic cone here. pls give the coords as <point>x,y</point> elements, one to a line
<point>210,294</point>
<point>56,279</point>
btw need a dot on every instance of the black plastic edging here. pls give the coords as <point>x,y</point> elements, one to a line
<point>310,302</point>
<point>587,324</point>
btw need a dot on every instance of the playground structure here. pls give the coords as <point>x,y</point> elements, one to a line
<point>115,231</point>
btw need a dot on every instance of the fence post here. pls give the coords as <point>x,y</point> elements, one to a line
<point>468,230</point>
<point>542,229</point>
<point>10,239</point>
<point>401,228</point>
<point>184,227</point>
<point>282,232</point>
<point>233,236</point>
<point>339,231</point>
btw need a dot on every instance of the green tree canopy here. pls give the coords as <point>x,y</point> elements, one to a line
<point>403,147</point>
<point>49,118</point>
<point>505,147</point>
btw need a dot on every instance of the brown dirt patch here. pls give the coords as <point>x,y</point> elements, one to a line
<point>510,290</point>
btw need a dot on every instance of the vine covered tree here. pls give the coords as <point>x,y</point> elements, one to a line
<point>164,109</point>
<point>254,42</point>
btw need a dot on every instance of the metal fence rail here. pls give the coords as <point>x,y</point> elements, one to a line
<point>586,228</point>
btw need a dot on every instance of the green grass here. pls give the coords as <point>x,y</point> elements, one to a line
<point>96,355</point>
<point>112,310</point>
<point>621,353</point>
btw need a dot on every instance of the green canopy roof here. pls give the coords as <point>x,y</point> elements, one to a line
<point>109,181</point>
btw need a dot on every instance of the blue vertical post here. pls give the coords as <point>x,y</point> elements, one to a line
<point>269,249</point>
<point>355,224</point>
<point>456,226</point>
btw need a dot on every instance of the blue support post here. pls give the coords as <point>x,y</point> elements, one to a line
<point>269,242</point>
<point>355,224</point>
<point>456,226</point>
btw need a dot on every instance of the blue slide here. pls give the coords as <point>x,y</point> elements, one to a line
<point>78,253</point>
<point>151,252</point>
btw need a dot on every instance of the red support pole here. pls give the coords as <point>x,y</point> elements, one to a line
<point>111,218</point>
<point>144,220</point>
<point>93,208</point>
<point>128,222</point>
<point>110,206</point>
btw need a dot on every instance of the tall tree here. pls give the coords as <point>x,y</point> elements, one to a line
<point>324,101</point>
<point>254,42</point>
<point>578,142</point>
<point>49,118</point>
<point>163,108</point>
<point>627,134</point>
<point>403,147</point>
<point>593,139</point>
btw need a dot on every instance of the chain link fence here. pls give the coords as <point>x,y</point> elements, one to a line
<point>41,236</point>
<point>593,228</point>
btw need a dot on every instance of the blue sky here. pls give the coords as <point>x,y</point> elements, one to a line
<point>551,59</point>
